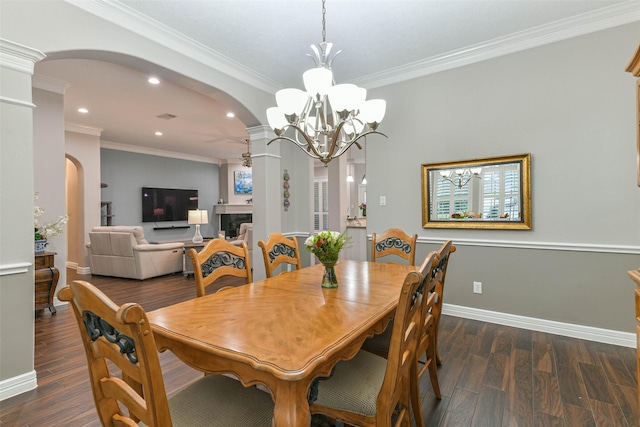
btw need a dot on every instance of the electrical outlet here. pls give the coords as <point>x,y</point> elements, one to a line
<point>477,287</point>
<point>383,200</point>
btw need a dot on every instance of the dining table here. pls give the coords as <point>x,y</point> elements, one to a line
<point>285,331</point>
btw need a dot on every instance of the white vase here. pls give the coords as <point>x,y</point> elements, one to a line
<point>39,246</point>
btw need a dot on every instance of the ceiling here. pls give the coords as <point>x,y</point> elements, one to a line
<point>266,42</point>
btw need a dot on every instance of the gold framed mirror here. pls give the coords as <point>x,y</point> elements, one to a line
<point>493,193</point>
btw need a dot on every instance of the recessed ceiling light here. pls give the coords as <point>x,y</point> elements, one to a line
<point>153,80</point>
<point>230,115</point>
<point>83,110</point>
<point>158,133</point>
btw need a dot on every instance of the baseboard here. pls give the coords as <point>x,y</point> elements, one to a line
<point>72,265</point>
<point>624,339</point>
<point>18,385</point>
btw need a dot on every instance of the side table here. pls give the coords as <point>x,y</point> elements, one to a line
<point>187,265</point>
<point>46,280</point>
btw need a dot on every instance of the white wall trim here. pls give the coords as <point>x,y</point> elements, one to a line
<point>83,130</point>
<point>14,101</point>
<point>18,385</point>
<point>17,268</point>
<point>625,339</point>
<point>49,84</point>
<point>555,246</point>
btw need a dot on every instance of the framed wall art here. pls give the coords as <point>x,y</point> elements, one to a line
<point>242,182</point>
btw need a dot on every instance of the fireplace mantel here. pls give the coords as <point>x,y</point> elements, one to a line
<point>233,209</point>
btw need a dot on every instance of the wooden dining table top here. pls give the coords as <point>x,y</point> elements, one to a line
<point>283,332</point>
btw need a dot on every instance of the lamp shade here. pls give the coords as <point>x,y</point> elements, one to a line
<point>317,81</point>
<point>275,117</point>
<point>373,110</point>
<point>291,101</point>
<point>198,217</point>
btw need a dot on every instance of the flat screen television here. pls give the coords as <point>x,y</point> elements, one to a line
<point>167,204</point>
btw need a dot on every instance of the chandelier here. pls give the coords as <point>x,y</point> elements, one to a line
<point>246,157</point>
<point>460,177</point>
<point>326,119</point>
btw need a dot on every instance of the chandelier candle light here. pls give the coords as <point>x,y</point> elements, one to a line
<point>328,118</point>
<point>460,177</point>
<point>197,217</point>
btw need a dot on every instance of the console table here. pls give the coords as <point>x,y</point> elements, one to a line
<point>46,280</point>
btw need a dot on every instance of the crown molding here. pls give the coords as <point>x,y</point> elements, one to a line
<point>602,19</point>
<point>157,152</point>
<point>49,84</point>
<point>134,21</point>
<point>18,57</point>
<point>85,130</point>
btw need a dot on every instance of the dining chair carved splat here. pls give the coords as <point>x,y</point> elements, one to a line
<point>217,259</point>
<point>278,250</point>
<point>122,336</point>
<point>394,241</point>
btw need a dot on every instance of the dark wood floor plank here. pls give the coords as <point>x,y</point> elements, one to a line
<point>542,353</point>
<point>520,406</point>
<point>606,414</point>
<point>497,374</point>
<point>571,384</point>
<point>616,371</point>
<point>578,416</point>
<point>489,408</point>
<point>461,409</point>
<point>596,384</point>
<point>473,373</point>
<point>484,340</point>
<point>627,398</point>
<point>546,398</point>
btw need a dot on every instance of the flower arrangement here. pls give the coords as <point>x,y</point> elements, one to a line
<point>362,206</point>
<point>42,232</point>
<point>326,245</point>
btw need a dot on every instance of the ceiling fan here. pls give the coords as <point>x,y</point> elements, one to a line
<point>246,157</point>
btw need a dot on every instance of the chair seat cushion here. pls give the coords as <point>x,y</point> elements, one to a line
<point>354,385</point>
<point>217,400</point>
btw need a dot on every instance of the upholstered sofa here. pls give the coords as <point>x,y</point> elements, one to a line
<point>122,251</point>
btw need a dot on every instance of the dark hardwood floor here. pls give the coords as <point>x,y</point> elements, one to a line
<point>491,375</point>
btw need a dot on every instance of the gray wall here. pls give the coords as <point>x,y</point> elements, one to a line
<point>126,173</point>
<point>572,106</point>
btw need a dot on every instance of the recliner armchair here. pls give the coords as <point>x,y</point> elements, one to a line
<point>122,251</point>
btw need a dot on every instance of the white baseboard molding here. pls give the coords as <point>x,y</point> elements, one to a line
<point>72,265</point>
<point>18,385</point>
<point>624,339</point>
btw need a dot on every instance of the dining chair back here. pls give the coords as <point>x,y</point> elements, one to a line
<point>278,250</point>
<point>394,241</point>
<point>444,254</point>
<point>369,390</point>
<point>219,258</point>
<point>120,339</point>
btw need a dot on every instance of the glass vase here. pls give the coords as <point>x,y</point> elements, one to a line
<point>329,280</point>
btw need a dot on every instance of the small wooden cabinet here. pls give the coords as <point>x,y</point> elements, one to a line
<point>46,280</point>
<point>634,68</point>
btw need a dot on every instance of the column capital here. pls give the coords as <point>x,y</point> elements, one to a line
<point>18,57</point>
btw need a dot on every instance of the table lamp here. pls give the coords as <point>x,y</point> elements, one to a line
<point>198,217</point>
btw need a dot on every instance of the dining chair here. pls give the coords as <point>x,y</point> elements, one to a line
<point>119,339</point>
<point>444,253</point>
<point>394,241</point>
<point>370,390</point>
<point>279,249</point>
<point>219,258</point>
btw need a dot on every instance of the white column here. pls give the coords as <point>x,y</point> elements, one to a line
<point>267,184</point>
<point>338,200</point>
<point>17,373</point>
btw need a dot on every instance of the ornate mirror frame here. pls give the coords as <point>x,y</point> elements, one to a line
<point>465,184</point>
